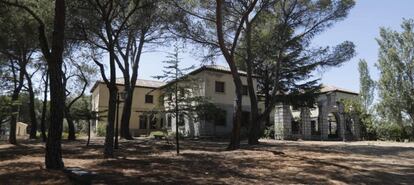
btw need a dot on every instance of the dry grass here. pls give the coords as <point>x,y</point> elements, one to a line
<point>146,161</point>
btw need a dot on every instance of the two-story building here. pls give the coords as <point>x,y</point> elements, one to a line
<point>215,83</point>
<point>326,121</point>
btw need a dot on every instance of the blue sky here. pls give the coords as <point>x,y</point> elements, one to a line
<point>361,27</point>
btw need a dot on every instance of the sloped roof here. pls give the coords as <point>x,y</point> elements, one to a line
<point>143,83</point>
<point>140,83</point>
<point>331,88</point>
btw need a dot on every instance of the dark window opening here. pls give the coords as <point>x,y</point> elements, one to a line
<point>149,98</point>
<point>153,122</point>
<point>220,87</point>
<point>295,127</point>
<point>169,120</point>
<point>181,121</point>
<point>142,122</point>
<point>314,128</point>
<point>162,123</point>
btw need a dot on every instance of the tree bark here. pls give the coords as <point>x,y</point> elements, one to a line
<point>109,137</point>
<point>71,125</point>
<point>18,85</point>
<point>44,109</point>
<point>255,123</point>
<point>126,112</point>
<point>229,56</point>
<point>33,124</point>
<point>89,132</point>
<point>53,157</point>
<point>13,119</point>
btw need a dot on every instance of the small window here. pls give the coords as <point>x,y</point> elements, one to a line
<point>142,122</point>
<point>220,86</point>
<point>221,120</point>
<point>245,90</point>
<point>149,98</point>
<point>169,120</point>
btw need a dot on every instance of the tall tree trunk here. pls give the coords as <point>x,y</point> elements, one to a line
<point>13,119</point>
<point>255,123</point>
<point>71,125</point>
<point>229,56</point>
<point>53,157</point>
<point>18,85</point>
<point>44,109</point>
<point>126,112</point>
<point>33,124</point>
<point>109,137</point>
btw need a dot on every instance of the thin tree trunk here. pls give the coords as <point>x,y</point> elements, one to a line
<point>255,123</point>
<point>33,124</point>
<point>18,85</point>
<point>44,109</point>
<point>89,132</point>
<point>71,125</point>
<point>13,119</point>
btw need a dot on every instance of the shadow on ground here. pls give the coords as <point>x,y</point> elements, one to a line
<point>147,161</point>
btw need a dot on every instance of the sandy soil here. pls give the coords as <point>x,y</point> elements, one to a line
<point>147,161</point>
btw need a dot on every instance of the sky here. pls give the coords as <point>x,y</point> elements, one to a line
<point>361,27</point>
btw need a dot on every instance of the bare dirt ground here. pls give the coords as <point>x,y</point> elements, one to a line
<point>147,161</point>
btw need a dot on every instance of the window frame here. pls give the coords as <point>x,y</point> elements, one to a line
<point>143,118</point>
<point>152,98</point>
<point>216,83</point>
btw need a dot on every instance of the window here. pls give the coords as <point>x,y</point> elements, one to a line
<point>295,127</point>
<point>220,87</point>
<point>149,98</point>
<point>245,90</point>
<point>169,120</point>
<point>153,122</point>
<point>221,119</point>
<point>314,127</point>
<point>181,121</point>
<point>162,122</point>
<point>142,122</point>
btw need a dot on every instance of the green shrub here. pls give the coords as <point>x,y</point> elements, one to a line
<point>101,130</point>
<point>391,132</point>
<point>269,132</point>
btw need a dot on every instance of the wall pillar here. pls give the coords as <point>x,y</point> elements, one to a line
<point>306,123</point>
<point>283,119</point>
<point>323,118</point>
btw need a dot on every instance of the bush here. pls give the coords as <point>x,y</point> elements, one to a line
<point>391,132</point>
<point>100,130</point>
<point>269,132</point>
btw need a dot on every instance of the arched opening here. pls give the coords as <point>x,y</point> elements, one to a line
<point>333,126</point>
